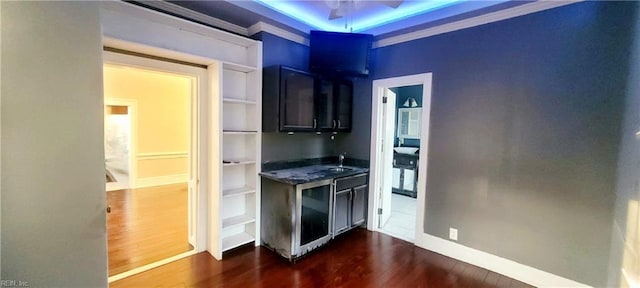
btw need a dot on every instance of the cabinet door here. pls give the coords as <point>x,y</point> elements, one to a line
<point>395,182</point>
<point>359,205</point>
<point>315,217</point>
<point>296,101</point>
<point>342,212</point>
<point>409,123</point>
<point>344,102</point>
<point>325,106</point>
<point>409,179</point>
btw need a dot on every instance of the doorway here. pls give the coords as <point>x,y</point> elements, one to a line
<point>399,146</point>
<point>151,144</point>
<point>119,130</point>
<point>402,113</point>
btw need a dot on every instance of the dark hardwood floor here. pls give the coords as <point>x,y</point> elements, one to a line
<point>146,225</point>
<point>359,258</point>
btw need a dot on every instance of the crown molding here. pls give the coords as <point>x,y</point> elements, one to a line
<point>473,21</point>
<point>266,27</point>
<point>197,16</point>
<point>221,24</point>
<point>387,41</point>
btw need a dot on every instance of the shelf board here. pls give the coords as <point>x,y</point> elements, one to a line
<point>237,220</point>
<point>234,162</point>
<point>238,101</point>
<point>238,191</point>
<point>237,132</point>
<point>238,67</point>
<point>236,240</point>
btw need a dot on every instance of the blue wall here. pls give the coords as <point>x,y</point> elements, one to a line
<point>524,132</point>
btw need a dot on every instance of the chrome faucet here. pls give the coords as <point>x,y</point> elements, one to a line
<point>341,158</point>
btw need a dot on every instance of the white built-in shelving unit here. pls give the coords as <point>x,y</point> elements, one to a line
<point>241,109</point>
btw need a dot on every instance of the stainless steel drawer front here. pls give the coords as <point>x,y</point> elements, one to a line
<point>350,182</point>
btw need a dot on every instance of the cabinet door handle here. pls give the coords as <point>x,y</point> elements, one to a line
<point>314,123</point>
<point>334,124</point>
<point>338,123</point>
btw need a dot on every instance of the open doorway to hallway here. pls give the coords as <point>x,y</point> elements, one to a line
<point>399,140</point>
<point>405,158</point>
<point>151,157</point>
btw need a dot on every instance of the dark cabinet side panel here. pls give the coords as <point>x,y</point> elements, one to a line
<point>342,212</point>
<point>359,205</point>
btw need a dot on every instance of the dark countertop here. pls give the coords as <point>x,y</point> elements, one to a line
<point>306,174</point>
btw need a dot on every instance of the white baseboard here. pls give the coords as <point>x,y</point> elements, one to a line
<point>509,268</point>
<point>150,266</point>
<point>161,180</point>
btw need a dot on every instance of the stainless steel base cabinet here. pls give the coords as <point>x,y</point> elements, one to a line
<point>350,203</point>
<point>296,219</point>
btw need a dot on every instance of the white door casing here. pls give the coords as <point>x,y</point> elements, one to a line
<point>376,155</point>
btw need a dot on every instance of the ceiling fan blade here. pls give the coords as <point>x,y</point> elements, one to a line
<point>335,14</point>
<point>392,3</point>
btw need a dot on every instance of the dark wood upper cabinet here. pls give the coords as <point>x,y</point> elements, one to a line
<point>344,105</point>
<point>325,105</point>
<point>297,101</point>
<point>288,100</point>
<point>333,105</point>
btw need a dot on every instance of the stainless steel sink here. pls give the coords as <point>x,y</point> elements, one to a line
<point>339,169</point>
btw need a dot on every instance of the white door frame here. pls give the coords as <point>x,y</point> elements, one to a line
<point>376,126</point>
<point>132,110</point>
<point>197,199</point>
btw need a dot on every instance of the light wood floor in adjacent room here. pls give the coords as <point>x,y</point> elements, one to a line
<point>358,258</point>
<point>146,225</point>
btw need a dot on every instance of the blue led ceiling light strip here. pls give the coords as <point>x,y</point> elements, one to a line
<point>298,14</point>
<point>417,8</point>
<point>409,9</point>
